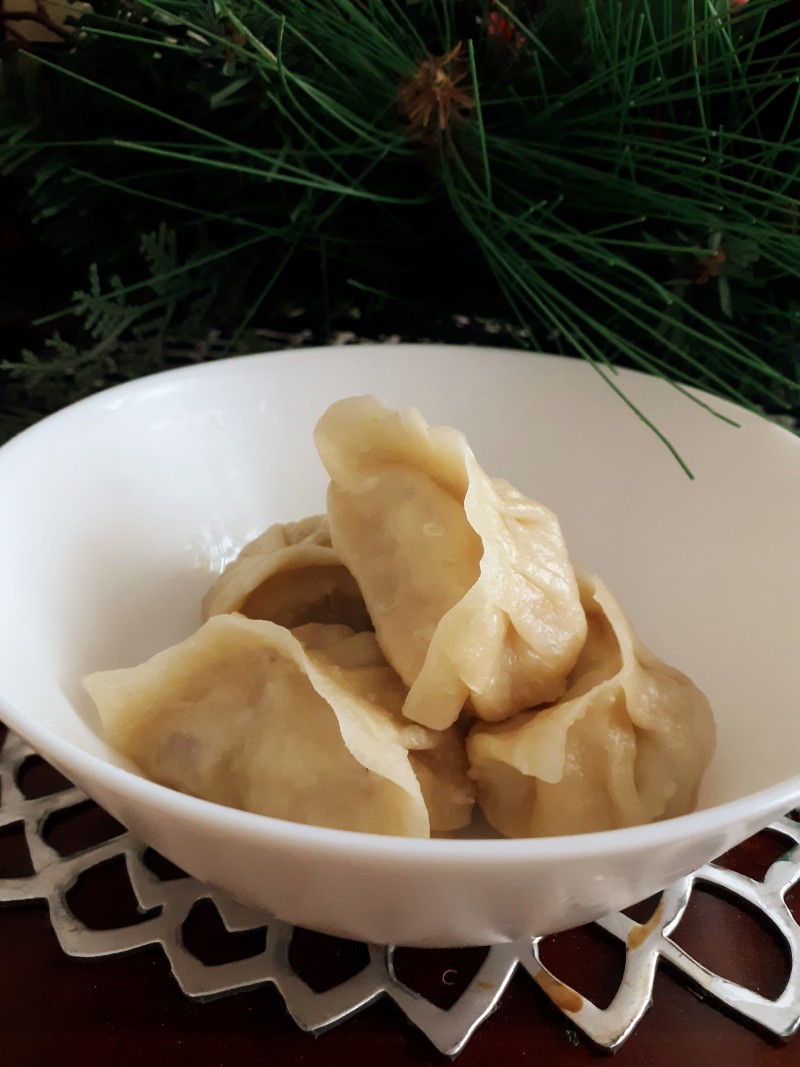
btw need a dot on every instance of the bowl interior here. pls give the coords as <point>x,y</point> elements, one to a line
<point>118,512</point>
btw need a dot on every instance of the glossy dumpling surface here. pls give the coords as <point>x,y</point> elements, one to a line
<point>467,582</point>
<point>301,725</point>
<point>627,744</point>
<point>290,575</point>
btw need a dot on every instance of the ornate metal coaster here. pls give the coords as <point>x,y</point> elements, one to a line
<point>166,901</point>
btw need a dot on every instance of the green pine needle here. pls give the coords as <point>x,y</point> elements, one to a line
<point>621,179</point>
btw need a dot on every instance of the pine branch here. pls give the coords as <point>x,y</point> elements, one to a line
<point>621,180</point>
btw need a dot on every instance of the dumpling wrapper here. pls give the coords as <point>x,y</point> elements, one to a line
<point>438,757</point>
<point>627,744</point>
<point>467,582</point>
<point>290,575</point>
<point>289,724</point>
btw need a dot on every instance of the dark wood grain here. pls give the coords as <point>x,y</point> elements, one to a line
<point>129,1010</point>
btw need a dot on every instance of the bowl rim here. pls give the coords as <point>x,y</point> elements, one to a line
<point>112,397</point>
<point>760,806</point>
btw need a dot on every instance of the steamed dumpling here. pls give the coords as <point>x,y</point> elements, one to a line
<point>438,757</point>
<point>467,582</point>
<point>291,576</point>
<point>627,744</point>
<point>301,725</point>
<point>443,774</point>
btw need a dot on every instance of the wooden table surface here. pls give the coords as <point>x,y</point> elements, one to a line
<point>57,1010</point>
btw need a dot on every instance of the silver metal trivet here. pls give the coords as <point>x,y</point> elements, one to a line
<point>449,1030</point>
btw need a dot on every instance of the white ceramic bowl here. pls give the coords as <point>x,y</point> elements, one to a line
<point>117,511</point>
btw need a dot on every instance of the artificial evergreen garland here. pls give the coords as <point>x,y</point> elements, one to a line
<point>618,179</point>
